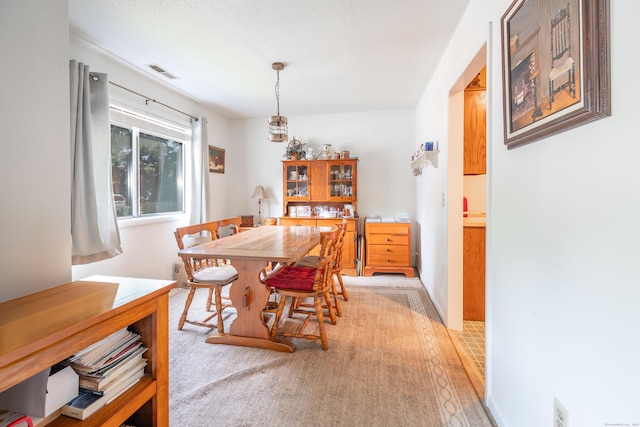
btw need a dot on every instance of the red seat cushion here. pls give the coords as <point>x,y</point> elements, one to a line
<point>293,277</point>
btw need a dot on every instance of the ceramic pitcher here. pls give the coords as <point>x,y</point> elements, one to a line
<point>327,151</point>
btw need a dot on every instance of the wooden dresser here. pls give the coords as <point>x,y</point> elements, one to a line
<point>42,329</point>
<point>388,248</point>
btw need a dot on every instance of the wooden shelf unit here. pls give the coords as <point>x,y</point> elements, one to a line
<point>331,183</point>
<point>328,183</point>
<point>44,328</point>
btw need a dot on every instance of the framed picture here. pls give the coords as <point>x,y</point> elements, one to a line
<point>216,159</point>
<point>555,67</point>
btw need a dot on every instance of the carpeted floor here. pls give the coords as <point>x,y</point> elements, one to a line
<point>390,362</point>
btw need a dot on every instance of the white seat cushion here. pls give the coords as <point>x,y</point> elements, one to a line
<point>216,275</point>
<point>561,69</point>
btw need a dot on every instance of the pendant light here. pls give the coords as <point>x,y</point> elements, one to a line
<point>278,124</point>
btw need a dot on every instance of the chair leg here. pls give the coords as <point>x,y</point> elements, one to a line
<point>323,333</point>
<point>187,304</point>
<point>343,290</point>
<point>210,299</point>
<point>332,313</point>
<point>274,327</point>
<point>218,295</point>
<point>334,292</point>
<point>295,305</point>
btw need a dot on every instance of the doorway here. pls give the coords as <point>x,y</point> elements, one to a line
<point>467,330</point>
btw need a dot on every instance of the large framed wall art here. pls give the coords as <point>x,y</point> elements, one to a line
<point>555,67</point>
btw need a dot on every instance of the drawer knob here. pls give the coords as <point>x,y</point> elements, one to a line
<point>388,260</point>
<point>388,250</point>
<point>388,239</point>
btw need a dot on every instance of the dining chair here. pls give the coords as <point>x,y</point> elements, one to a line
<point>562,63</point>
<point>336,267</point>
<point>270,221</point>
<point>228,226</point>
<point>211,274</point>
<point>297,282</point>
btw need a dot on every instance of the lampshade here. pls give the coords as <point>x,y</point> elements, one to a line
<point>259,193</point>
<point>278,127</point>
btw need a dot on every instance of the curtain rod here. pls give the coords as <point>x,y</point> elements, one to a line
<point>95,77</point>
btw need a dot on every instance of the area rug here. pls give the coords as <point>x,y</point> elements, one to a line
<point>390,362</point>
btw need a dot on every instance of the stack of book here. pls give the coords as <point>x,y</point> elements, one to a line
<point>106,370</point>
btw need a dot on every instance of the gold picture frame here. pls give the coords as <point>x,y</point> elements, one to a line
<point>216,159</point>
<point>555,67</point>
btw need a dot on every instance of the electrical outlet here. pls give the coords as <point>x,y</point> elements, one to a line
<point>560,414</point>
<point>443,200</point>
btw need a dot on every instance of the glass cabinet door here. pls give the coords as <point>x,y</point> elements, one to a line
<point>341,177</point>
<point>297,181</point>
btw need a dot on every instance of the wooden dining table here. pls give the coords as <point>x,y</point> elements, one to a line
<point>249,252</point>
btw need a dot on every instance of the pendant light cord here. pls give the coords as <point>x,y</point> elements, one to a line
<point>278,90</point>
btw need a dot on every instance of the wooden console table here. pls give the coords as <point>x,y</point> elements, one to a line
<point>44,328</point>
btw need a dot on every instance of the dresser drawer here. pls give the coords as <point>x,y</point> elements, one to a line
<point>382,250</point>
<point>384,228</point>
<point>388,260</point>
<point>387,239</point>
<point>388,255</point>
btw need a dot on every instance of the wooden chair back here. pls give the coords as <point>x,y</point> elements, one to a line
<point>228,226</point>
<point>270,221</point>
<point>339,246</point>
<point>560,35</point>
<point>326,259</point>
<point>197,233</point>
<point>192,235</point>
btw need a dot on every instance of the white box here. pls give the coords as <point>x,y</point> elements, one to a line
<point>42,394</point>
<point>179,274</point>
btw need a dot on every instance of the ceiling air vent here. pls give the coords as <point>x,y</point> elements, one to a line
<point>160,70</point>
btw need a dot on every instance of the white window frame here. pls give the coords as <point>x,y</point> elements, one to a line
<point>142,122</point>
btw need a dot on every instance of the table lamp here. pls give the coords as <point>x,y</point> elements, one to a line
<point>259,194</point>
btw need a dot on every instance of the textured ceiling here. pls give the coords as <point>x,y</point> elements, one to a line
<point>340,55</point>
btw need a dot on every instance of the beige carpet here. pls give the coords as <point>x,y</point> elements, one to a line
<point>390,362</point>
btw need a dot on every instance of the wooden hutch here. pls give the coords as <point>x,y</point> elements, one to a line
<point>320,193</point>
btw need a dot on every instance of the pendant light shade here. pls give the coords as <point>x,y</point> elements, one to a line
<point>278,127</point>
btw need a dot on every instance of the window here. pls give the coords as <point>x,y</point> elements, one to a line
<point>147,165</point>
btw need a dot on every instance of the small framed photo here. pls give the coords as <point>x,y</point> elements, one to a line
<point>216,159</point>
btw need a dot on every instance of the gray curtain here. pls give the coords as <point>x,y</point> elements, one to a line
<point>94,227</point>
<point>199,171</point>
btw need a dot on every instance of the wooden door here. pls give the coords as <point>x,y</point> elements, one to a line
<point>475,132</point>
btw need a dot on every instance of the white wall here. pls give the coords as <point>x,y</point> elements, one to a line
<point>475,190</point>
<point>562,292</point>
<point>149,248</point>
<point>35,173</point>
<point>383,141</point>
